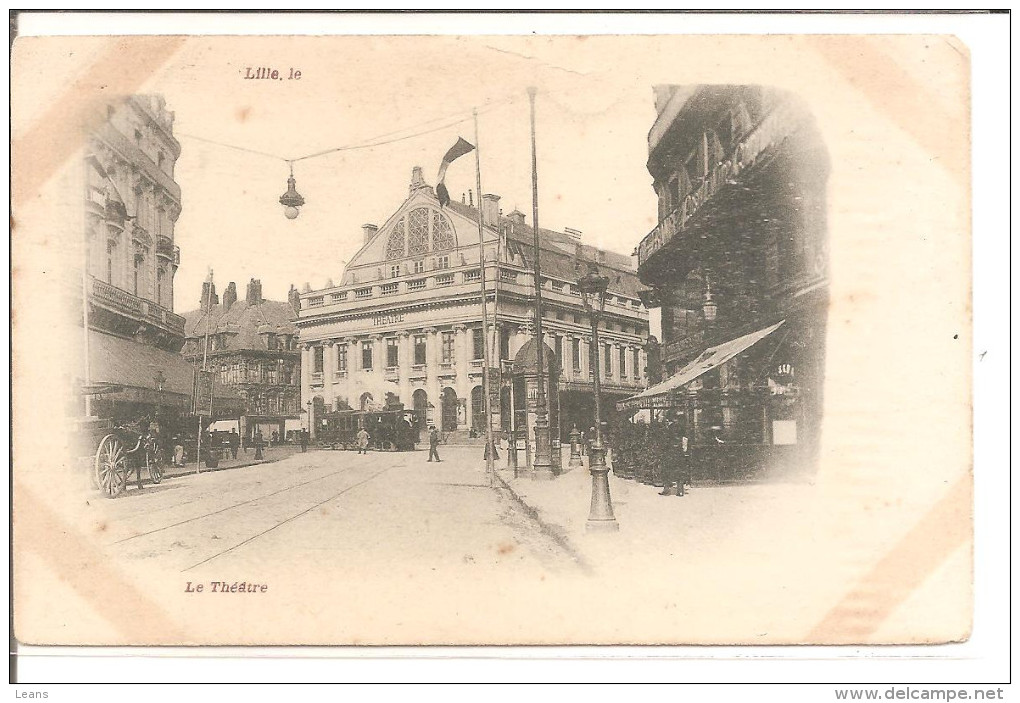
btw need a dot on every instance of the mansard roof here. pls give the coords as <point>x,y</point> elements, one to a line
<point>244,322</point>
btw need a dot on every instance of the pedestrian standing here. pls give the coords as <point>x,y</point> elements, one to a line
<point>363,438</point>
<point>258,445</point>
<point>304,440</point>
<point>234,440</point>
<point>434,443</point>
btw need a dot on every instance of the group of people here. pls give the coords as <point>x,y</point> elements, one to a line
<point>658,454</point>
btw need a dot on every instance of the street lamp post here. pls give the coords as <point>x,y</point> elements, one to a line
<point>542,466</point>
<point>600,518</point>
<point>309,404</point>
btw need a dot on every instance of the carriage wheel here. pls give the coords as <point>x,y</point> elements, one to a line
<point>157,464</point>
<point>111,467</point>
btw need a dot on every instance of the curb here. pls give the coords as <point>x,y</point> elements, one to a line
<point>207,469</point>
<point>554,532</point>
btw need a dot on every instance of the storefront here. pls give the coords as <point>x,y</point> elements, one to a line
<point>743,406</point>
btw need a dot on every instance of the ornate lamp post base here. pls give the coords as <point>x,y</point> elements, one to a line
<point>575,448</point>
<point>600,517</point>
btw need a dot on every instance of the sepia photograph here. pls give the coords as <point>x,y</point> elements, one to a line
<point>491,339</point>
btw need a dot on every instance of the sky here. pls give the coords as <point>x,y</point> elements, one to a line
<point>591,125</point>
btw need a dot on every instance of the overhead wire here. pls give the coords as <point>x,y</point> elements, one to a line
<point>377,141</point>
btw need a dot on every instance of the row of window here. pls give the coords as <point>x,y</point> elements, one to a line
<point>232,374</point>
<point>448,353</point>
<point>418,267</point>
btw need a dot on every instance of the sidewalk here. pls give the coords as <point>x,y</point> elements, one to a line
<point>270,454</point>
<point>652,526</point>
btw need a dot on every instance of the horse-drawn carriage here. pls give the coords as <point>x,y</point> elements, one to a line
<point>109,451</point>
<point>389,430</point>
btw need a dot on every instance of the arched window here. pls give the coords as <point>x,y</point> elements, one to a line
<point>418,231</point>
<point>395,244</point>
<point>442,232</point>
<point>365,403</point>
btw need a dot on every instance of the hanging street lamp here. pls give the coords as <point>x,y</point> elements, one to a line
<point>600,518</point>
<point>291,200</point>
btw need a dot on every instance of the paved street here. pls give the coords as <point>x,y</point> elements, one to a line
<point>388,549</point>
<point>360,510</point>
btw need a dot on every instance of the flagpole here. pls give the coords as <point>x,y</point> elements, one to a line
<point>489,448</point>
<point>205,361</point>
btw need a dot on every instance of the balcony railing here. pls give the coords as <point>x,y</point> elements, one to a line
<point>771,130</point>
<point>139,308</point>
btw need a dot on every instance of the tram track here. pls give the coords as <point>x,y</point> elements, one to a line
<point>227,508</point>
<point>288,520</point>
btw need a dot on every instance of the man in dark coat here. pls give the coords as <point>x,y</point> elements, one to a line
<point>434,443</point>
<point>234,440</point>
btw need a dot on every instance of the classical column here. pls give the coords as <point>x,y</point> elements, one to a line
<point>328,369</point>
<point>306,373</point>
<point>405,358</point>
<point>432,386</point>
<point>462,357</point>
<point>567,362</point>
<point>585,358</point>
<point>353,360</point>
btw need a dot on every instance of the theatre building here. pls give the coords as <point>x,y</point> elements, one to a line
<point>403,329</point>
<point>738,267</point>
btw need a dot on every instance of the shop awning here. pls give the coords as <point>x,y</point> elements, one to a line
<point>128,363</point>
<point>136,372</point>
<point>709,359</point>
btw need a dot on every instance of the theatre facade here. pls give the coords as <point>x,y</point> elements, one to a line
<point>403,329</point>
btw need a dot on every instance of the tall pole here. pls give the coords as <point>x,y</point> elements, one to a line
<point>490,449</point>
<point>205,361</point>
<point>600,515</point>
<point>497,345</point>
<point>542,466</point>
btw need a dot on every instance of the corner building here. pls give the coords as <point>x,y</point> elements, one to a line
<point>404,327</point>
<point>738,265</point>
<point>131,204</point>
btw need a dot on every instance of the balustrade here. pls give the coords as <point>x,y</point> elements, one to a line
<point>771,130</point>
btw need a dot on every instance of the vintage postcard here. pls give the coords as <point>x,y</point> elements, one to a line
<point>491,340</point>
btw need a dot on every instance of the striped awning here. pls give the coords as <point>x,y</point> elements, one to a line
<point>709,359</point>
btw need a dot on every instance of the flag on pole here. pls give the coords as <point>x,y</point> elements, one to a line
<point>456,151</point>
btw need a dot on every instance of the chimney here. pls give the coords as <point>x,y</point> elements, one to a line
<point>254,295</point>
<point>230,295</point>
<point>209,297</point>
<point>574,234</point>
<point>490,210</point>
<point>418,182</point>
<point>294,298</point>
<point>369,230</point>
<point>471,199</point>
<point>516,217</point>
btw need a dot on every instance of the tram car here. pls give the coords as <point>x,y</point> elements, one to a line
<point>388,430</point>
